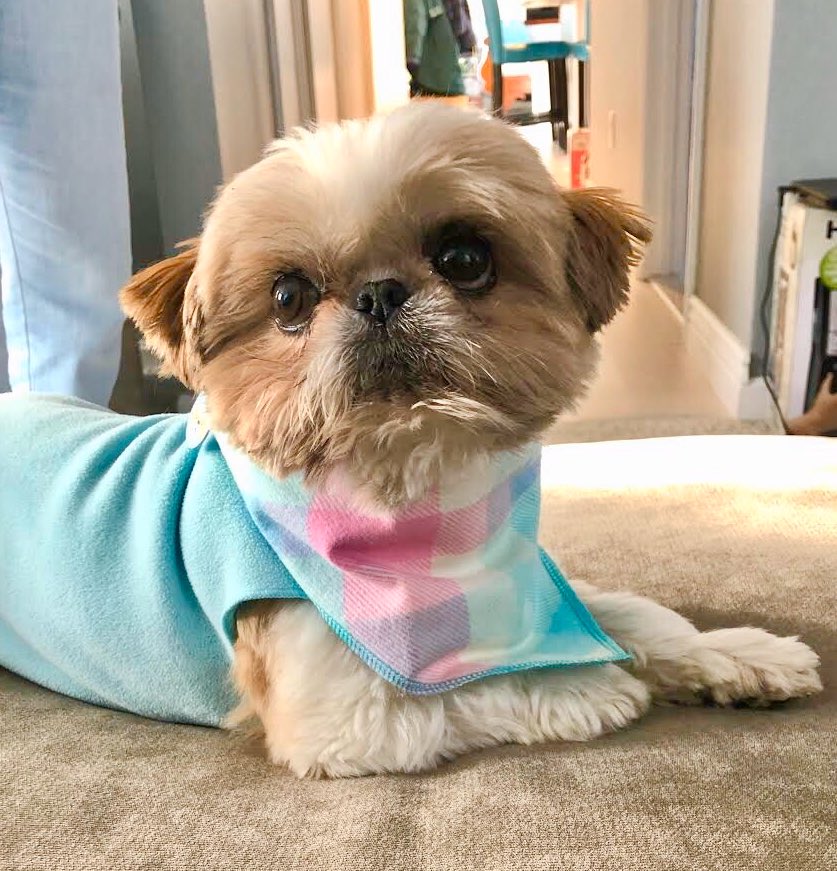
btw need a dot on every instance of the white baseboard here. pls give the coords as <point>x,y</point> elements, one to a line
<point>671,308</point>
<point>756,403</point>
<point>725,361</point>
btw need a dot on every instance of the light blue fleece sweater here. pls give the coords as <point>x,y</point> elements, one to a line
<point>111,492</point>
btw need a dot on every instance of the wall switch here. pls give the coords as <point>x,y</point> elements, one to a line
<point>611,129</point>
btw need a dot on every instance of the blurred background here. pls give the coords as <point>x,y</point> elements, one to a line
<point>697,110</point>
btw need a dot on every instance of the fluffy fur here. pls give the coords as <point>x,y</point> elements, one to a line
<point>453,377</point>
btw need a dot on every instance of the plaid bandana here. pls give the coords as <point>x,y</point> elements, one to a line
<point>437,593</point>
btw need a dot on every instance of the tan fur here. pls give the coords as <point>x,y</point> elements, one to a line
<point>477,374</point>
<point>603,248</point>
<point>154,299</point>
<point>252,661</point>
<point>457,377</point>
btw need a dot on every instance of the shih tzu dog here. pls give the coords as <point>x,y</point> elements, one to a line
<point>380,318</point>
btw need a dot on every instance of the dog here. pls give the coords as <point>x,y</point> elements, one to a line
<point>378,310</point>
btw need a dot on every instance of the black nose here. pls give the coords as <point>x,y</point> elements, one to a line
<point>381,299</point>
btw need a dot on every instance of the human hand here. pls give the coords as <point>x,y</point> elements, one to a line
<point>824,409</point>
<point>821,417</point>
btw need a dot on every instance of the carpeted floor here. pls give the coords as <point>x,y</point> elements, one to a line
<point>574,431</point>
<point>728,530</point>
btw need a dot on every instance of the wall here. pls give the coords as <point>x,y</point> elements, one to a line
<point>735,126</point>
<point>801,129</point>
<point>640,95</point>
<point>618,71</point>
<point>769,121</point>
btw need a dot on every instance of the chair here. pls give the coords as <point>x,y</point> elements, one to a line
<point>514,43</point>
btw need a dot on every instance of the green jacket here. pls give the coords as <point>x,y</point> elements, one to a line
<point>432,52</point>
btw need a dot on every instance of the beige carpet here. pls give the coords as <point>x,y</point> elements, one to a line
<point>574,431</point>
<point>756,542</point>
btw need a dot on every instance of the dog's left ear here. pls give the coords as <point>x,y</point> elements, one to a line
<point>157,300</point>
<point>606,241</point>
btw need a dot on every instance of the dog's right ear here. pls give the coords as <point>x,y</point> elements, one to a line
<point>156,300</point>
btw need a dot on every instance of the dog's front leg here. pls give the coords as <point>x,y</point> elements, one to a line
<point>679,663</point>
<point>325,713</point>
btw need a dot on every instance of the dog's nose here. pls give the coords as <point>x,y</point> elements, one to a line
<point>381,299</point>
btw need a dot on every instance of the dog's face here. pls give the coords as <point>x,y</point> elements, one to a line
<point>393,295</point>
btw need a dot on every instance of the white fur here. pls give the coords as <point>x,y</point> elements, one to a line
<point>679,663</point>
<point>354,722</point>
<point>348,203</point>
<point>328,714</point>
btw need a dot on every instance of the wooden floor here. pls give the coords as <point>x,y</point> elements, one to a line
<point>644,371</point>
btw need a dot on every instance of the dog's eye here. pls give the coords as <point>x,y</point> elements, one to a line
<point>294,299</point>
<point>464,259</point>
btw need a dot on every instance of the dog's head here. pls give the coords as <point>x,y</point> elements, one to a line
<point>392,295</point>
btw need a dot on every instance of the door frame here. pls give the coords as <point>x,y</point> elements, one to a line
<point>700,69</point>
<point>675,99</point>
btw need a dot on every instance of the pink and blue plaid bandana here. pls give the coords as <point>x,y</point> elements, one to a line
<point>438,593</point>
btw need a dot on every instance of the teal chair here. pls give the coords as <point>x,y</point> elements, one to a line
<point>512,42</point>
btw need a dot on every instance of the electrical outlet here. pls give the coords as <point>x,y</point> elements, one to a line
<point>611,129</point>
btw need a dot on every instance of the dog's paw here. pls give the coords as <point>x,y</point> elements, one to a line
<point>751,666</point>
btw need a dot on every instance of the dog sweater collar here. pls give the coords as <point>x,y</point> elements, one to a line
<point>435,594</point>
